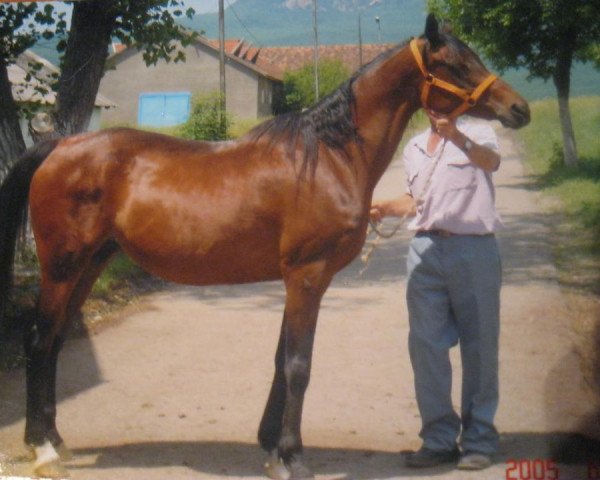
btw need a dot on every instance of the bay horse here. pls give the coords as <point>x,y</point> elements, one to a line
<point>290,200</point>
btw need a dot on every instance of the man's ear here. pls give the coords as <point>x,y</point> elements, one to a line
<point>432,31</point>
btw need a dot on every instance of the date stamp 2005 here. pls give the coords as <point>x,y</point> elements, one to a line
<point>545,469</point>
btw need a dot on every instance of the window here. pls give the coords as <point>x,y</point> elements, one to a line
<point>163,109</point>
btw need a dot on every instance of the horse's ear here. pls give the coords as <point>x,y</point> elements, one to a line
<point>432,31</point>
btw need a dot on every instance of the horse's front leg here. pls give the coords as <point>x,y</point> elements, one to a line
<point>280,428</point>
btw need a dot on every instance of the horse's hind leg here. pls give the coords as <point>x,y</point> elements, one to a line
<point>42,344</point>
<point>59,302</point>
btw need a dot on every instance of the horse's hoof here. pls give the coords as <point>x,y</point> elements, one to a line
<point>61,449</point>
<point>299,471</point>
<point>63,452</point>
<point>275,468</point>
<point>52,469</point>
<point>47,461</point>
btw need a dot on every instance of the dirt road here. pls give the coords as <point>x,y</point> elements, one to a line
<point>176,390</point>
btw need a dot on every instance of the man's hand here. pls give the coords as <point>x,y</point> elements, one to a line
<point>480,155</point>
<point>400,207</point>
<point>446,127</point>
<point>376,213</point>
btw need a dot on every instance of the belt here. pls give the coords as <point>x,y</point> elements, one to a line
<point>437,232</point>
<point>446,233</point>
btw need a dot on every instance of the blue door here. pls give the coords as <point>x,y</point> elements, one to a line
<point>163,109</point>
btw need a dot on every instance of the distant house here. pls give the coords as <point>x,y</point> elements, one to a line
<point>30,77</point>
<point>161,95</point>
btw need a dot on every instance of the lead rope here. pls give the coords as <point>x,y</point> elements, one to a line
<point>370,246</point>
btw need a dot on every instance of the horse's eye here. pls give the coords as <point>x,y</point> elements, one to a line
<point>459,71</point>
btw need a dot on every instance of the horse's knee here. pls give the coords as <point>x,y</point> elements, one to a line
<point>297,372</point>
<point>37,337</point>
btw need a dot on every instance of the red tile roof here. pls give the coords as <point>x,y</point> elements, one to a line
<point>278,60</point>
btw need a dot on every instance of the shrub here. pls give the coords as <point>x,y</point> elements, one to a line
<point>298,85</point>
<point>207,121</point>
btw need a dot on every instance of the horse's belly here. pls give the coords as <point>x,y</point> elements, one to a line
<point>238,258</point>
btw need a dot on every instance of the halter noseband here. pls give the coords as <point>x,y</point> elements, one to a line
<point>469,99</point>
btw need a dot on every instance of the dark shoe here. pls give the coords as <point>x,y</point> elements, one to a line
<point>474,461</point>
<point>426,457</point>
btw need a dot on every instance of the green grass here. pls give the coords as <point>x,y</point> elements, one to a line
<point>578,189</point>
<point>119,272</point>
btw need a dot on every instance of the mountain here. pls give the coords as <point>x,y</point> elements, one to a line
<point>289,22</point>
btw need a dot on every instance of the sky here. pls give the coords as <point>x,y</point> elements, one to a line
<point>204,6</point>
<point>201,6</point>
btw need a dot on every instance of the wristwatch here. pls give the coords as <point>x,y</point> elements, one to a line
<point>467,146</point>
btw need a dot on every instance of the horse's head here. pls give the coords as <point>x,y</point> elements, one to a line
<point>456,81</point>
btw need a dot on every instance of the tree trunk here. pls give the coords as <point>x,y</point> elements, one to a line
<point>562,81</point>
<point>92,22</point>
<point>12,144</point>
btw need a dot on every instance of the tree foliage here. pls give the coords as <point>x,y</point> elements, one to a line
<point>22,24</point>
<point>543,36</point>
<point>298,85</point>
<point>149,25</point>
<point>531,34</point>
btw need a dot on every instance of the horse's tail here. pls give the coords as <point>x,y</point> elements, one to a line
<point>14,195</point>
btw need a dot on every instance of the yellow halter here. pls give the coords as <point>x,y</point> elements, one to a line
<point>469,99</point>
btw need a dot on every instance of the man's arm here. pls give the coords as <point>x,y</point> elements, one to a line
<point>400,207</point>
<point>482,156</point>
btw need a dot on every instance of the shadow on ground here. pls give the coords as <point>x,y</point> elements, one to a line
<point>242,460</point>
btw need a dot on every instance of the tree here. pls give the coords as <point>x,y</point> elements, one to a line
<point>298,86</point>
<point>543,36</point>
<point>19,30</point>
<point>148,24</point>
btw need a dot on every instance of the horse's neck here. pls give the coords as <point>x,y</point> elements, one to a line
<point>386,97</point>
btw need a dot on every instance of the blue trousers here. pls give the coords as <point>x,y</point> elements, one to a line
<point>453,297</point>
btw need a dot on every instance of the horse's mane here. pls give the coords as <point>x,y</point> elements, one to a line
<point>330,121</point>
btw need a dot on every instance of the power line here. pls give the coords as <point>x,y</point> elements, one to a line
<point>230,7</point>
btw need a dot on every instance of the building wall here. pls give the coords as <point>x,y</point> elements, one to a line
<point>199,74</point>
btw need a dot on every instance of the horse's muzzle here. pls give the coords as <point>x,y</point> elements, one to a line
<point>518,117</point>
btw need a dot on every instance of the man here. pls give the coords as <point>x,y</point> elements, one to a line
<point>453,287</point>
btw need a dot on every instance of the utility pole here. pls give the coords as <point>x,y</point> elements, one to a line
<point>360,49</point>
<point>222,62</point>
<point>316,52</point>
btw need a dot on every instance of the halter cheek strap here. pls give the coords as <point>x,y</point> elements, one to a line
<point>469,99</point>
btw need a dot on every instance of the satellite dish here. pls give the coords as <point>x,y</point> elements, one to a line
<point>42,123</point>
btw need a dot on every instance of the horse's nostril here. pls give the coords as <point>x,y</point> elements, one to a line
<point>521,112</point>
